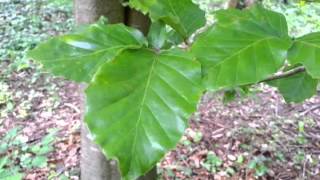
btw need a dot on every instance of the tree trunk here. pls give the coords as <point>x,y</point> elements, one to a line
<point>89,11</point>
<point>240,4</point>
<point>94,165</point>
<point>138,20</point>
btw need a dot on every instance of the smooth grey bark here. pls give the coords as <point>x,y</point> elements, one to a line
<point>93,163</point>
<point>138,20</point>
<point>89,11</point>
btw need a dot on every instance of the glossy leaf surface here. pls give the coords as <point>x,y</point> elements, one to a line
<point>182,15</point>
<point>306,51</point>
<point>157,35</point>
<point>78,56</point>
<point>296,88</point>
<point>162,37</point>
<point>242,47</point>
<point>138,106</point>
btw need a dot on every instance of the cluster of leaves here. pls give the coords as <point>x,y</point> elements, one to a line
<point>17,154</point>
<point>143,90</point>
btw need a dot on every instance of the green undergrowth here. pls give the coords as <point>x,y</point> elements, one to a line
<point>20,154</point>
<point>23,24</point>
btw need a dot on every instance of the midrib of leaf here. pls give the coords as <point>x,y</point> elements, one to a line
<point>142,106</point>
<point>178,70</point>
<point>94,69</point>
<point>309,44</point>
<point>174,11</point>
<point>91,54</point>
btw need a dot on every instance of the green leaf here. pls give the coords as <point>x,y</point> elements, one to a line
<point>306,51</point>
<point>49,138</point>
<point>78,56</point>
<point>39,162</point>
<point>162,37</point>
<point>182,15</point>
<point>138,106</point>
<point>157,35</point>
<point>240,159</point>
<point>261,170</point>
<point>45,150</point>
<point>26,161</point>
<point>173,38</point>
<point>301,126</point>
<point>252,164</point>
<point>3,161</point>
<point>14,177</point>
<point>296,88</point>
<point>214,160</point>
<point>243,47</point>
<point>229,95</point>
<point>142,6</point>
<point>4,147</point>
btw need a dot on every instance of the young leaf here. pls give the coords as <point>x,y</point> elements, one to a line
<point>306,51</point>
<point>296,88</point>
<point>157,35</point>
<point>173,38</point>
<point>138,106</point>
<point>182,15</point>
<point>242,47</point>
<point>160,37</point>
<point>79,56</point>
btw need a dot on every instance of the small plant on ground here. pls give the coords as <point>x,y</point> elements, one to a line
<point>18,154</point>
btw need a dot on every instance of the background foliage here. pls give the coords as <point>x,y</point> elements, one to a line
<point>23,24</point>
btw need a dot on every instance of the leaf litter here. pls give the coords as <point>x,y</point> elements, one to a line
<point>255,137</point>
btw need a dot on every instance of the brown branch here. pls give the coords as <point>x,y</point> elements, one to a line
<point>286,74</point>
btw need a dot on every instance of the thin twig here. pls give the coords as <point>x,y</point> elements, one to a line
<point>281,75</point>
<point>304,169</point>
<point>313,108</point>
<point>286,74</point>
<point>73,107</point>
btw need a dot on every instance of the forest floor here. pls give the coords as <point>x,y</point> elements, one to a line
<point>258,136</point>
<point>251,137</point>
